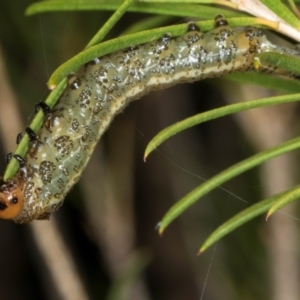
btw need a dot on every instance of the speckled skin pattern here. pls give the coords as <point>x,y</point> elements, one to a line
<point>101,89</point>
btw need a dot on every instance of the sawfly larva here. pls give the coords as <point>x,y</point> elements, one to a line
<point>61,149</point>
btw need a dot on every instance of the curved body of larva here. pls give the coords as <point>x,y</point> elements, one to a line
<point>103,88</point>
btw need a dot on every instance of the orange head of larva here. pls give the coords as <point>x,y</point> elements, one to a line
<point>11,199</point>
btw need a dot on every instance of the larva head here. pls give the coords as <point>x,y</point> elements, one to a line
<point>11,199</point>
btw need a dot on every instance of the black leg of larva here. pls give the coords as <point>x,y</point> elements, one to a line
<point>19,137</point>
<point>31,134</point>
<point>8,157</point>
<point>220,21</point>
<point>20,160</point>
<point>44,107</point>
<point>193,27</point>
<point>74,81</point>
<point>23,172</point>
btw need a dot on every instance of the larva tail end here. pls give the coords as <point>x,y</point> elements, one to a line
<point>11,199</point>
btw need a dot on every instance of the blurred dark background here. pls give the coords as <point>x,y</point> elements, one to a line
<point>102,244</point>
